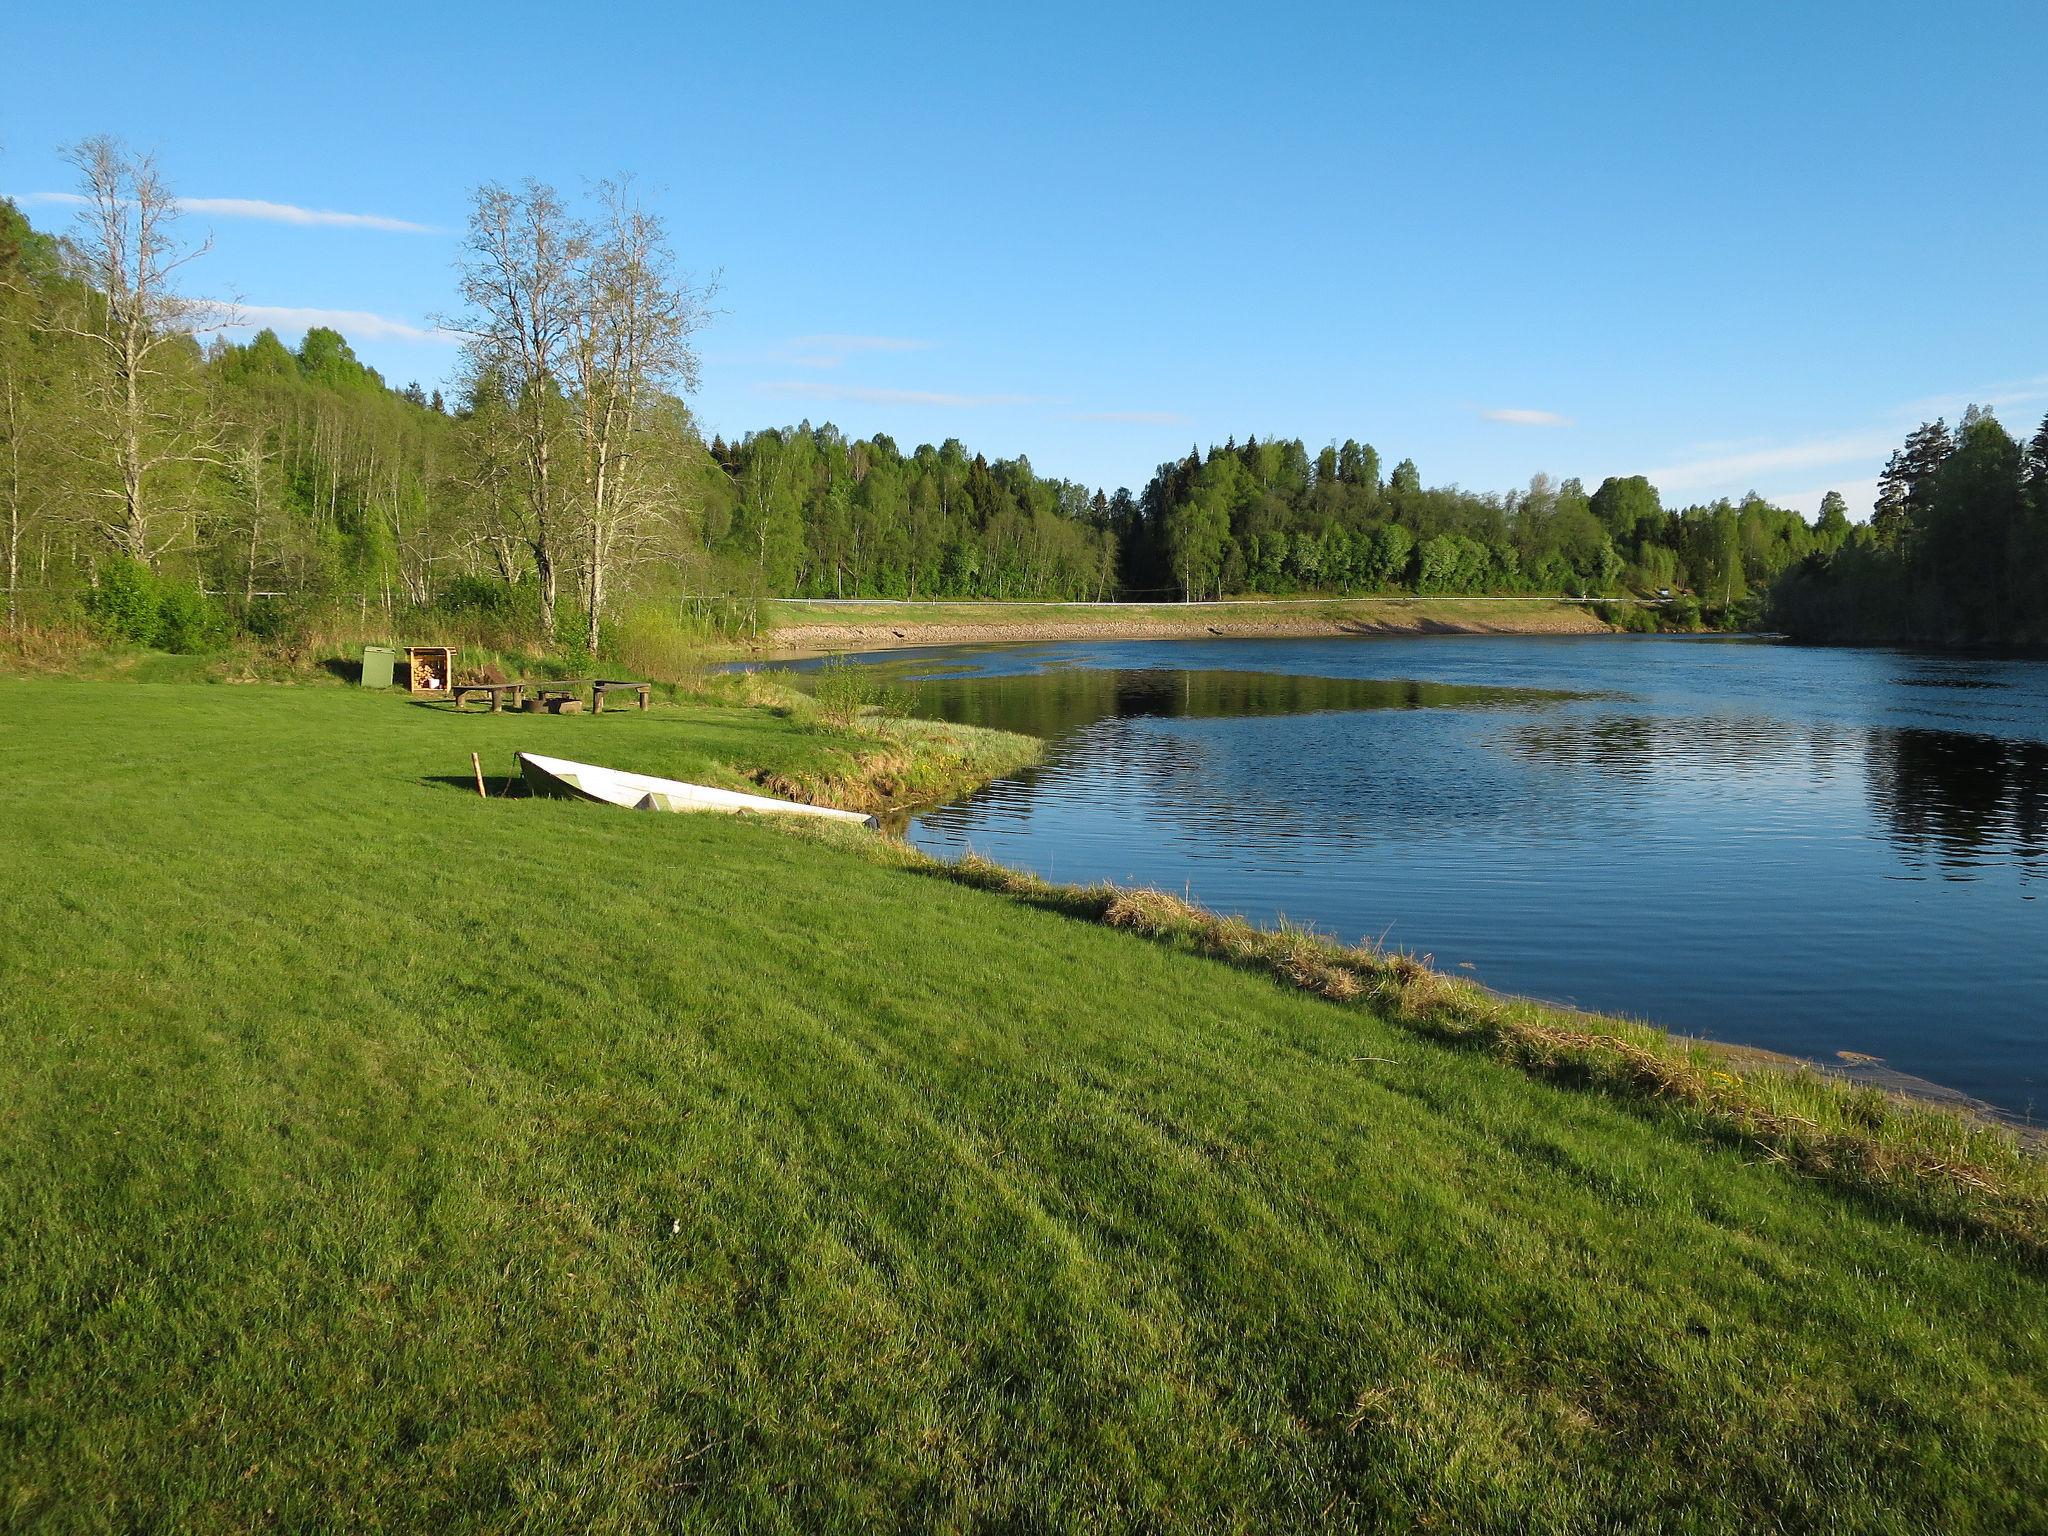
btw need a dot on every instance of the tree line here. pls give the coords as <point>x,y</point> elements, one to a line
<point>173,487</point>
<point>166,484</point>
<point>1955,552</point>
<point>1271,517</point>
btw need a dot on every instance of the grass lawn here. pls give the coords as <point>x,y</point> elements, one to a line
<point>373,1156</point>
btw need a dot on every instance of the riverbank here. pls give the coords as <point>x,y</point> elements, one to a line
<point>814,625</point>
<point>389,1155</point>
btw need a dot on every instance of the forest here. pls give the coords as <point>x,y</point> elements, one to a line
<point>1955,552</point>
<point>1269,517</point>
<point>166,485</point>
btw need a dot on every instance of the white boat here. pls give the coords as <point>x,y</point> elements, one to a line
<point>564,780</point>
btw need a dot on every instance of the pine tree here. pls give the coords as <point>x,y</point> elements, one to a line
<point>2035,468</point>
<point>1906,489</point>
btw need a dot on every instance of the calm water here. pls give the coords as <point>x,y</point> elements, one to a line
<point>1815,851</point>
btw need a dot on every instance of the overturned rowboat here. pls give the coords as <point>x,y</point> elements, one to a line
<point>563,780</point>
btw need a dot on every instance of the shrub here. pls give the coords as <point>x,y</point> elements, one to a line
<point>187,621</point>
<point>124,604</point>
<point>135,604</point>
<point>846,690</point>
<point>655,644</point>
<point>478,595</point>
<point>1682,613</point>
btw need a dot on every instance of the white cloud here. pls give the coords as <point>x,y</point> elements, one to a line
<point>1997,397</point>
<point>1732,468</point>
<point>1808,453</point>
<point>1517,416</point>
<point>871,395</point>
<point>356,324</point>
<point>1134,418</point>
<point>259,208</point>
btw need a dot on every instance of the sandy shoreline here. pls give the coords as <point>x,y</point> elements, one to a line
<point>822,633</point>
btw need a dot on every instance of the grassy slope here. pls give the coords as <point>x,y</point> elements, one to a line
<point>372,1154</point>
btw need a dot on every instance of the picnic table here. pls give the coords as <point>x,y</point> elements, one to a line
<point>551,688</point>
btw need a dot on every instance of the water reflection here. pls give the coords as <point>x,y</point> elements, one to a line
<point>1965,800</point>
<point>1960,799</point>
<point>1631,744</point>
<point>1054,703</point>
<point>1796,849</point>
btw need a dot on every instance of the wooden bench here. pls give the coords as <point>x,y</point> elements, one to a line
<point>550,688</point>
<point>603,686</point>
<point>495,692</point>
<point>557,692</point>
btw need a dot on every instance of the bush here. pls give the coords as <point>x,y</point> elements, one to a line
<point>1632,618</point>
<point>478,595</point>
<point>655,644</point>
<point>135,604</point>
<point>124,604</point>
<point>272,619</point>
<point>1682,613</point>
<point>186,620</point>
<point>846,690</point>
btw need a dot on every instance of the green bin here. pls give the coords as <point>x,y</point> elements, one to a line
<point>378,663</point>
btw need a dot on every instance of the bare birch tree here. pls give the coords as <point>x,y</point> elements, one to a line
<point>139,333</point>
<point>29,422</point>
<point>520,280</point>
<point>630,354</point>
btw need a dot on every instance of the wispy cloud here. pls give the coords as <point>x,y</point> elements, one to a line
<point>1134,418</point>
<point>1518,416</point>
<point>356,324</point>
<point>259,208</point>
<point>1861,495</point>
<point>1805,453</point>
<point>875,395</point>
<point>1997,397</point>
<point>1739,466</point>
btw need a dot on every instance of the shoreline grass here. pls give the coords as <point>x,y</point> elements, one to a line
<point>1943,1165</point>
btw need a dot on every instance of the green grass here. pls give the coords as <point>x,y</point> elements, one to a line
<point>374,1156</point>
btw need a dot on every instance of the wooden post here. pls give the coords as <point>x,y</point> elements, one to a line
<point>476,763</point>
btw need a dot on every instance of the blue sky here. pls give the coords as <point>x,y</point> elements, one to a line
<point>1733,246</point>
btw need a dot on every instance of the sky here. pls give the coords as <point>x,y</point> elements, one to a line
<point>1731,246</point>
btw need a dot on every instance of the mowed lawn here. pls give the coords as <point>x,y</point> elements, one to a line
<point>377,1157</point>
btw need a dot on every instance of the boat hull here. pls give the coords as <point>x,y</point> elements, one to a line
<point>560,778</point>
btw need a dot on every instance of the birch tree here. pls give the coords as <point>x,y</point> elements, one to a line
<point>145,412</point>
<point>521,278</point>
<point>630,354</point>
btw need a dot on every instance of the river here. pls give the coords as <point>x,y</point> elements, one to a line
<point>1813,851</point>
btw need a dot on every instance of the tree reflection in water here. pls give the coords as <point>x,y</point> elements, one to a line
<point>1962,799</point>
